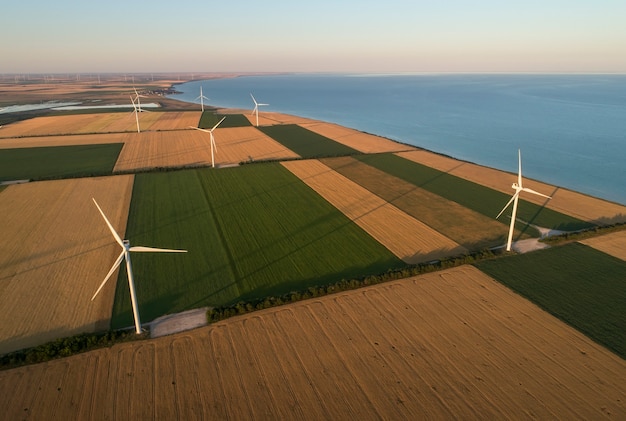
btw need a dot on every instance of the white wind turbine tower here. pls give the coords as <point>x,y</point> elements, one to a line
<point>136,111</point>
<point>125,255</point>
<point>202,98</point>
<point>518,189</point>
<point>256,109</point>
<point>213,146</point>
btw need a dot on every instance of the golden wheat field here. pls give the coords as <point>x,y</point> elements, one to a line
<point>101,123</point>
<point>43,141</point>
<point>239,144</point>
<point>448,345</point>
<point>613,244</point>
<point>568,202</point>
<point>405,236</point>
<point>362,142</point>
<point>192,148</point>
<point>54,252</point>
<point>163,149</point>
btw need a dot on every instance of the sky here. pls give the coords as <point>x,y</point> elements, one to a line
<point>383,36</point>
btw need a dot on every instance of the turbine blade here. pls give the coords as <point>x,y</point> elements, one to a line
<point>508,203</point>
<point>264,104</point>
<point>218,123</point>
<point>519,168</point>
<point>198,128</point>
<point>115,266</point>
<point>536,192</point>
<point>117,237</point>
<point>255,103</point>
<point>156,250</point>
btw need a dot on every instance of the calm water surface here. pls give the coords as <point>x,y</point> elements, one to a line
<point>571,128</point>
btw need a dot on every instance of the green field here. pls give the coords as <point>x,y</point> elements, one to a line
<point>251,232</point>
<point>58,161</point>
<point>306,143</point>
<point>210,119</point>
<point>578,284</point>
<point>479,198</point>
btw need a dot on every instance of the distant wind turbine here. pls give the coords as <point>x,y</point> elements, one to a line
<point>201,98</point>
<point>125,255</point>
<point>518,189</point>
<point>256,109</point>
<point>137,96</point>
<point>136,111</point>
<point>213,146</point>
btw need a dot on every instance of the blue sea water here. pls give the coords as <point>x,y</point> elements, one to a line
<point>571,129</point>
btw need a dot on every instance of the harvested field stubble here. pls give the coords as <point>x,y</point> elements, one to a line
<point>40,141</point>
<point>55,252</point>
<point>355,139</point>
<point>452,344</point>
<point>406,237</point>
<point>193,148</point>
<point>101,123</point>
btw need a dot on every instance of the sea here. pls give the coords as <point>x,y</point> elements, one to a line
<point>570,128</point>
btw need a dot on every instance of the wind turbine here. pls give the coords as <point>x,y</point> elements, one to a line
<point>213,146</point>
<point>256,109</point>
<point>137,96</point>
<point>136,113</point>
<point>518,189</point>
<point>201,97</point>
<point>125,255</point>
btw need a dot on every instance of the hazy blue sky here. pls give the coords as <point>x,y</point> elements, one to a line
<point>42,36</point>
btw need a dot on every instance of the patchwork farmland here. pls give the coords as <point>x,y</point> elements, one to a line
<point>365,206</point>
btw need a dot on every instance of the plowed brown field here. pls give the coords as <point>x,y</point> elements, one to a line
<point>448,345</point>
<point>355,139</point>
<point>405,236</point>
<point>55,250</point>
<point>613,244</point>
<point>101,123</point>
<point>568,202</point>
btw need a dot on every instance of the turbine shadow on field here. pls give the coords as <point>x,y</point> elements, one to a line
<point>44,254</point>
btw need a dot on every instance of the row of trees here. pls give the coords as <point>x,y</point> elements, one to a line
<point>220,313</point>
<point>64,347</point>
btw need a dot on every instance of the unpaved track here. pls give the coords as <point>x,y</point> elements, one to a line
<point>451,344</point>
<point>54,252</point>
